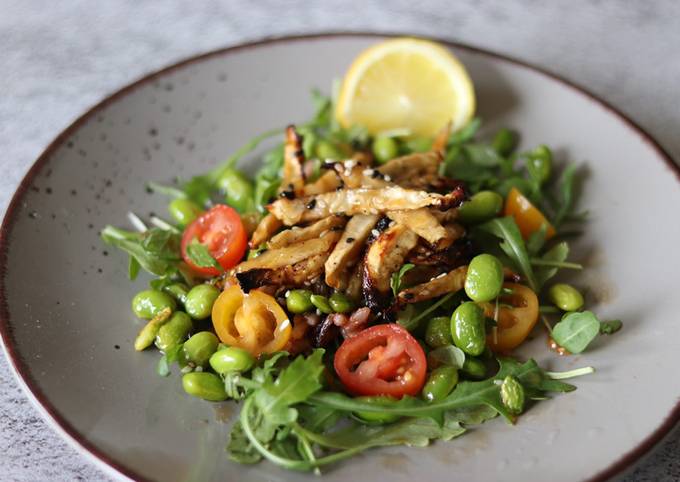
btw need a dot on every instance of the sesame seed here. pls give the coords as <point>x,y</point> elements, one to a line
<point>287,294</point>
<point>388,178</point>
<point>375,232</point>
<point>441,275</point>
<point>368,172</point>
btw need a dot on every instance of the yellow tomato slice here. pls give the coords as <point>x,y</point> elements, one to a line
<point>527,216</point>
<point>253,321</point>
<point>513,324</point>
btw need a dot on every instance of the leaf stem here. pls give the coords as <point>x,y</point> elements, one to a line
<point>577,372</point>
<point>555,264</point>
<point>412,323</point>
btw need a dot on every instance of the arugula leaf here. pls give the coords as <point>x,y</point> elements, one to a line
<point>201,257</point>
<point>294,384</point>
<point>566,190</point>
<point>512,245</point>
<point>537,240</point>
<point>395,281</point>
<point>133,268</point>
<point>155,250</point>
<point>483,155</point>
<point>610,327</point>
<point>466,394</point>
<point>557,253</point>
<point>446,355</point>
<point>240,449</point>
<point>576,330</point>
<point>172,355</point>
<point>415,432</point>
<point>465,133</point>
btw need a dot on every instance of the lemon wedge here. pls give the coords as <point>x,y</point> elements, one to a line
<point>406,83</point>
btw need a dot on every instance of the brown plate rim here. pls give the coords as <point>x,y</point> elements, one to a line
<point>21,369</point>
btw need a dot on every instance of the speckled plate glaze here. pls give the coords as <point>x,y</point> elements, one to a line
<point>64,298</point>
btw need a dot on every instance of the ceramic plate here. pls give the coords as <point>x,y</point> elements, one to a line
<point>64,298</point>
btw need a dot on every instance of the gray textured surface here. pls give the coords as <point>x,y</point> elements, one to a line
<point>57,60</point>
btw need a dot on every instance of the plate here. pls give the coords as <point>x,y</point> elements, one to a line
<point>64,298</point>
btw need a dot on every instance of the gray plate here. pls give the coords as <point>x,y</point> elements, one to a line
<point>64,298</point>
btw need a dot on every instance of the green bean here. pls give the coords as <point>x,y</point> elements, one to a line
<point>184,211</point>
<point>200,300</point>
<point>512,395</point>
<point>207,386</point>
<point>440,383</point>
<point>474,368</point>
<point>178,291</point>
<point>340,303</point>
<point>238,190</point>
<point>148,333</point>
<point>481,207</point>
<point>321,303</point>
<point>231,359</point>
<point>438,332</point>
<point>199,348</point>
<point>147,303</point>
<point>384,149</point>
<point>376,418</point>
<point>504,142</point>
<point>299,301</point>
<point>539,163</point>
<point>468,328</point>
<point>484,278</point>
<point>565,297</point>
<point>174,332</point>
<point>326,150</point>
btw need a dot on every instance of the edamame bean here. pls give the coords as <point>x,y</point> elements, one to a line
<point>321,303</point>
<point>200,300</point>
<point>481,207</point>
<point>207,386</point>
<point>440,383</point>
<point>376,418</point>
<point>231,359</point>
<point>326,150</point>
<point>384,149</point>
<point>148,333</point>
<point>340,303</point>
<point>147,303</point>
<point>199,348</point>
<point>484,278</point>
<point>512,395</point>
<point>565,297</point>
<point>438,332</point>
<point>504,142</point>
<point>238,190</point>
<point>174,332</point>
<point>419,144</point>
<point>474,368</point>
<point>178,291</point>
<point>539,163</point>
<point>299,301</point>
<point>468,328</point>
<point>184,211</point>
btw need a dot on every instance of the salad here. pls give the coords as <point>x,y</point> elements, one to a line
<point>368,286</point>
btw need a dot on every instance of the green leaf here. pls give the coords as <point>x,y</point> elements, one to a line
<point>610,327</point>
<point>294,384</point>
<point>157,260</point>
<point>446,355</point>
<point>465,133</point>
<point>171,191</point>
<point>199,255</point>
<point>512,245</point>
<point>133,268</point>
<point>537,240</point>
<point>395,281</point>
<point>557,253</point>
<point>466,395</point>
<point>415,432</point>
<point>483,155</point>
<point>576,331</point>
<point>566,191</point>
<point>240,449</point>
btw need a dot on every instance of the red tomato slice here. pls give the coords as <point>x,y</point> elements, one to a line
<point>381,360</point>
<point>222,232</point>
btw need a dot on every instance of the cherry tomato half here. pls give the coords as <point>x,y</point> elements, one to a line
<point>516,321</point>
<point>381,360</point>
<point>222,232</point>
<point>527,216</point>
